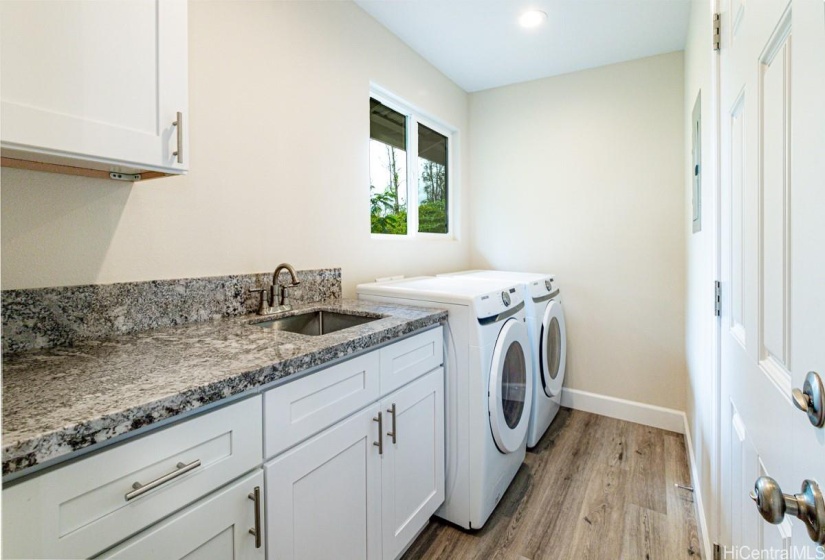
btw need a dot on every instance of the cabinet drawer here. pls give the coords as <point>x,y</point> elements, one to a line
<point>297,410</point>
<point>410,358</point>
<point>81,509</point>
<point>217,527</point>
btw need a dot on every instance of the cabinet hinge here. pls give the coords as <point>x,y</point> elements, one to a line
<point>717,32</point>
<point>717,298</point>
<point>130,177</point>
<point>717,551</point>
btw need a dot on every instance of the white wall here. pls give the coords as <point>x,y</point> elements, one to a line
<point>279,163</point>
<point>582,175</point>
<point>699,324</point>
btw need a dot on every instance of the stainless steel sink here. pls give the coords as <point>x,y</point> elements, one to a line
<point>316,323</point>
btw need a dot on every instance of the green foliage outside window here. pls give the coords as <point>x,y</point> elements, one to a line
<point>385,215</point>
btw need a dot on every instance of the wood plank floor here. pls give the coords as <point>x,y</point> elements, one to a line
<point>594,487</point>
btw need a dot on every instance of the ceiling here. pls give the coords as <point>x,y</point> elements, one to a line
<point>479,44</point>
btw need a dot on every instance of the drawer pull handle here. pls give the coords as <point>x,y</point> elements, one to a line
<point>179,125</point>
<point>182,468</point>
<point>393,434</point>
<point>256,497</point>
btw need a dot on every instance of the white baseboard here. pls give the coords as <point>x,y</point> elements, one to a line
<point>697,491</point>
<point>631,411</point>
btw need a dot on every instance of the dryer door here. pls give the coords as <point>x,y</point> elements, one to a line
<point>511,387</point>
<point>553,352</point>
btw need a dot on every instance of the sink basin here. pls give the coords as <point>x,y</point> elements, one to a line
<point>316,323</point>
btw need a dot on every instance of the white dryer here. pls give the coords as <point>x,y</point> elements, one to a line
<point>489,385</point>
<point>548,337</point>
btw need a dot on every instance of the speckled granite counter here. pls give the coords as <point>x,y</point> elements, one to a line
<point>60,400</point>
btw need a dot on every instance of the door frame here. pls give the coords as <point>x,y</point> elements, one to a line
<point>716,345</point>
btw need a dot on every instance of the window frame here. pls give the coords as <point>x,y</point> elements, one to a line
<point>415,116</point>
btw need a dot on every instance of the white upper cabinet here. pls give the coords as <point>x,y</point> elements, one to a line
<point>95,84</point>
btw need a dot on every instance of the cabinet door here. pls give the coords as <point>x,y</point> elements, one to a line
<point>413,466</point>
<point>324,496</point>
<point>94,81</point>
<point>216,528</point>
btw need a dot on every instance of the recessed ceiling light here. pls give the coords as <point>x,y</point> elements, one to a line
<point>532,18</point>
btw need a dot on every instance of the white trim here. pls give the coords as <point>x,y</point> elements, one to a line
<point>630,411</point>
<point>699,507</point>
<point>714,446</point>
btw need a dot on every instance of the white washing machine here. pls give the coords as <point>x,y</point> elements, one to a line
<point>548,337</point>
<point>489,385</point>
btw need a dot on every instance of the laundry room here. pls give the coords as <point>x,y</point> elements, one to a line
<point>312,279</point>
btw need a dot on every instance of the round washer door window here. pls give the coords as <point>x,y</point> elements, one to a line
<point>553,358</point>
<point>511,387</point>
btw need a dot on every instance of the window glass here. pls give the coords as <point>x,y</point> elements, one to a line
<point>513,384</point>
<point>388,170</point>
<point>432,181</point>
<point>553,348</point>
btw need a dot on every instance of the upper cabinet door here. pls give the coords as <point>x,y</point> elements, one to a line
<point>100,82</point>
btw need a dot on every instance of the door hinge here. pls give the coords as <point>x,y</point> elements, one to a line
<point>717,32</point>
<point>717,551</point>
<point>717,298</point>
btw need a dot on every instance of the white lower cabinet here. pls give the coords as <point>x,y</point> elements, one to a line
<point>350,492</point>
<point>412,468</point>
<point>85,507</point>
<point>215,528</point>
<point>323,498</point>
<point>358,469</point>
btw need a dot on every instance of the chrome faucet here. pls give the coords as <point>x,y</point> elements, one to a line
<point>281,289</point>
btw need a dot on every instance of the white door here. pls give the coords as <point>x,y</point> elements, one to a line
<point>510,390</point>
<point>553,354</point>
<point>773,271</point>
<point>215,528</point>
<point>413,463</point>
<point>807,239</point>
<point>323,498</point>
<point>94,80</point>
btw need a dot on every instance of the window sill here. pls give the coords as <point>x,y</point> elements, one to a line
<point>426,237</point>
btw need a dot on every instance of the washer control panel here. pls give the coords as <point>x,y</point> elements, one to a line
<point>495,303</point>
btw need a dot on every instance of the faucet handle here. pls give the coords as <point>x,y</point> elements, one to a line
<point>263,307</point>
<point>283,299</point>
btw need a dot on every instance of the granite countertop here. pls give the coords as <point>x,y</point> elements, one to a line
<point>60,400</point>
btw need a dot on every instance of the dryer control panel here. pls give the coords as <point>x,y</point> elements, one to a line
<point>542,287</point>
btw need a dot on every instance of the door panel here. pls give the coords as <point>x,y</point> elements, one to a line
<point>412,467</point>
<point>553,353</point>
<point>98,81</point>
<point>315,494</point>
<point>773,259</point>
<point>807,236</point>
<point>755,385</point>
<point>510,390</point>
